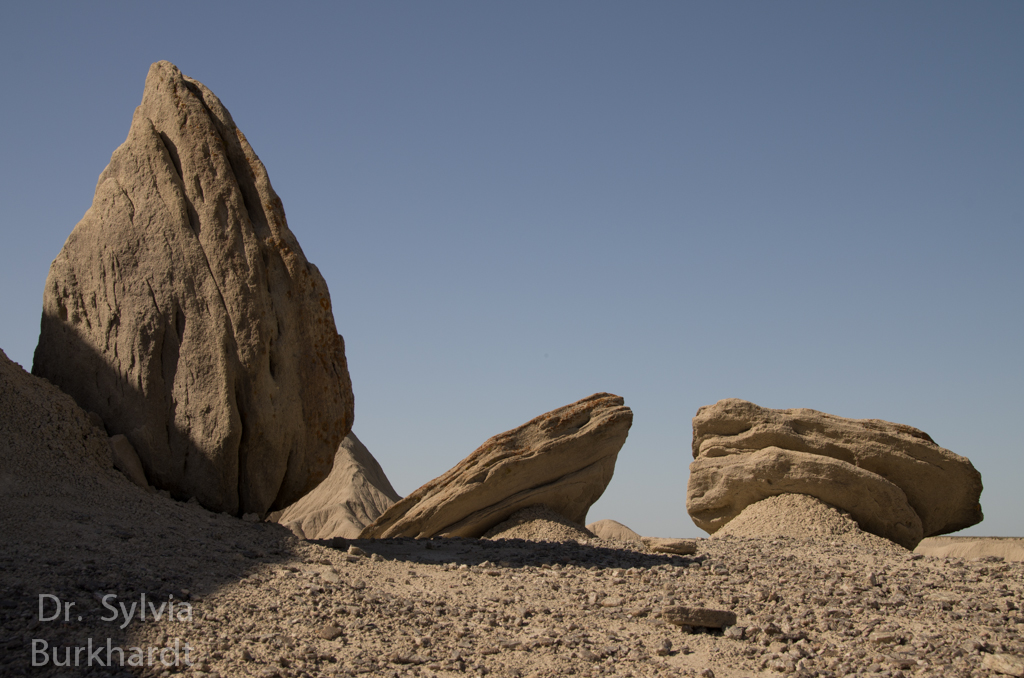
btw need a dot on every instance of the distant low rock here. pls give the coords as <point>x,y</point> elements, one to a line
<point>679,547</point>
<point>350,498</point>
<point>613,531</point>
<point>893,479</point>
<point>563,459</point>
<point>1010,549</point>
<point>182,310</point>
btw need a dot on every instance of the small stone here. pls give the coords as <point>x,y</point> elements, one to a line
<point>681,615</point>
<point>330,632</point>
<point>612,601</point>
<point>664,649</point>
<point>246,656</point>
<point>972,646</point>
<point>735,632</point>
<point>354,550</point>
<point>406,658</point>
<point>882,637</point>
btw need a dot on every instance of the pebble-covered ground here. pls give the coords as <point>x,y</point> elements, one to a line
<point>263,603</point>
<point>81,550</point>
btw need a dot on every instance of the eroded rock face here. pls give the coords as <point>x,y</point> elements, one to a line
<point>893,479</point>
<point>353,496</point>
<point>182,310</point>
<point>563,459</point>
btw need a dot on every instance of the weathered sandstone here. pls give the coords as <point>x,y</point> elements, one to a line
<point>893,479</point>
<point>613,530</point>
<point>183,311</point>
<point>350,498</point>
<point>563,459</point>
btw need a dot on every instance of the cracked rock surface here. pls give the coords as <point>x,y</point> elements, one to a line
<point>183,312</point>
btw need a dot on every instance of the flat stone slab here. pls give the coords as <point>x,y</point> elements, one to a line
<point>681,615</point>
<point>679,547</point>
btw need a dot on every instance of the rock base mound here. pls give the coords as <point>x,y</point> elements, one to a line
<point>539,523</point>
<point>797,516</point>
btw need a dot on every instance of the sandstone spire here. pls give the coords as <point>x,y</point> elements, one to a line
<point>183,311</point>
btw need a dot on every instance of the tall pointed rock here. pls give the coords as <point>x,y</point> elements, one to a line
<point>183,311</point>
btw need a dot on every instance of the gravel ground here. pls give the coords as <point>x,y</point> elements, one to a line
<point>539,598</point>
<point>263,603</point>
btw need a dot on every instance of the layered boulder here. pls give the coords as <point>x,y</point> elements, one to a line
<point>350,498</point>
<point>563,460</point>
<point>183,311</point>
<point>893,479</point>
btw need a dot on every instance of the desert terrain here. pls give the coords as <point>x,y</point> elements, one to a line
<point>181,492</point>
<point>812,593</point>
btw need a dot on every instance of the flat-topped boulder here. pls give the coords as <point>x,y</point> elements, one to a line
<point>893,479</point>
<point>182,310</point>
<point>350,498</point>
<point>563,460</point>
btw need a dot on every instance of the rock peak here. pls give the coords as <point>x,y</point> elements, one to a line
<point>183,311</point>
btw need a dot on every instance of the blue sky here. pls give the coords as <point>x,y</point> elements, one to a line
<point>516,205</point>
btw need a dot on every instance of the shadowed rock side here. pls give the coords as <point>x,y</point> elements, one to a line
<point>893,479</point>
<point>563,459</point>
<point>353,496</point>
<point>182,310</point>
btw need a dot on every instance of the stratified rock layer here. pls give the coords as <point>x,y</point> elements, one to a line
<point>353,496</point>
<point>893,479</point>
<point>182,310</point>
<point>563,459</point>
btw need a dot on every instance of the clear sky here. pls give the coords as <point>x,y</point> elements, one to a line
<point>516,205</point>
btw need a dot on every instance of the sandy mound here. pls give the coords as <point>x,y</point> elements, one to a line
<point>538,523</point>
<point>1007,548</point>
<point>798,516</point>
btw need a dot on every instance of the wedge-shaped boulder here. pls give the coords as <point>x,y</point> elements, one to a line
<point>893,479</point>
<point>182,310</point>
<point>563,459</point>
<point>353,496</point>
